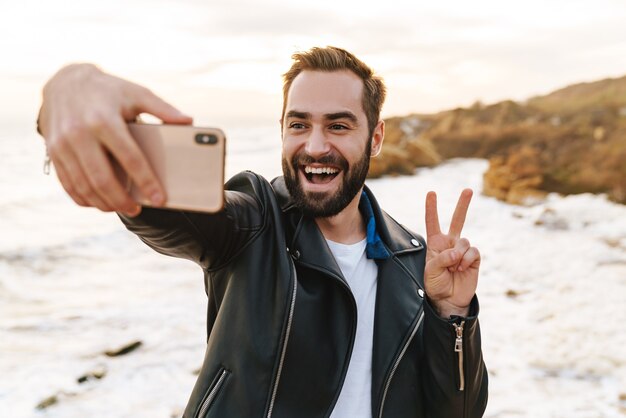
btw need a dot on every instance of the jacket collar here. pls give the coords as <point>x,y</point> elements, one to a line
<point>397,239</point>
<point>386,233</point>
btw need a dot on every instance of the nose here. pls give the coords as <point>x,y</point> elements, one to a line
<point>317,144</point>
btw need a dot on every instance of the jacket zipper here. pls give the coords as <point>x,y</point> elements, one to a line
<point>295,256</point>
<point>397,362</point>
<point>458,348</point>
<point>284,348</point>
<point>212,393</point>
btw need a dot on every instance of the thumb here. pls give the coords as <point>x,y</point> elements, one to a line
<point>442,261</point>
<point>148,102</point>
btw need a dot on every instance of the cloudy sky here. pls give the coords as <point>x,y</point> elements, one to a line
<point>221,61</point>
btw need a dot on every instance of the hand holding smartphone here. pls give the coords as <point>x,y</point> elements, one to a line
<point>187,160</point>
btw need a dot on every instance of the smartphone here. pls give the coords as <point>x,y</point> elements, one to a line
<point>187,160</point>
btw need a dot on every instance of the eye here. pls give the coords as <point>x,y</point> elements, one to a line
<point>296,125</point>
<point>338,127</point>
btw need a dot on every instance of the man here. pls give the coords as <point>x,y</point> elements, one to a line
<point>319,303</point>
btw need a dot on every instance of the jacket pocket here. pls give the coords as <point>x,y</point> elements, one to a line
<point>215,388</point>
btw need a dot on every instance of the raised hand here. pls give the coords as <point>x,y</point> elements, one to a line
<point>83,120</point>
<point>451,272</point>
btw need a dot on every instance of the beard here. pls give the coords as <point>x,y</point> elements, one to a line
<point>321,204</point>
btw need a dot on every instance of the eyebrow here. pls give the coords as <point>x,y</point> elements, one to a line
<point>342,115</point>
<point>328,116</point>
<point>298,115</point>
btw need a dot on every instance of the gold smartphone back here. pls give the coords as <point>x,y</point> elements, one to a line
<point>189,162</point>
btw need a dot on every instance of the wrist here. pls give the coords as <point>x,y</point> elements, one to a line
<point>446,309</point>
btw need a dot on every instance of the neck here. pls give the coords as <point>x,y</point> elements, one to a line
<point>347,227</point>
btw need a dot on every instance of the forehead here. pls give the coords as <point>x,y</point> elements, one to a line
<point>322,92</point>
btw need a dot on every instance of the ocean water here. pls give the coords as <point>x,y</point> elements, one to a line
<point>74,284</point>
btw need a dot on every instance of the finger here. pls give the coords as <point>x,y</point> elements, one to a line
<point>125,150</point>
<point>67,184</point>
<point>461,246</point>
<point>432,218</point>
<point>79,183</point>
<point>71,174</point>
<point>148,102</point>
<point>100,175</point>
<point>444,260</point>
<point>460,212</point>
<point>134,214</point>
<point>471,258</point>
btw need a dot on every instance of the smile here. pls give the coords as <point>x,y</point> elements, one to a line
<point>319,174</point>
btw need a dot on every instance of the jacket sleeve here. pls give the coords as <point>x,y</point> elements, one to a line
<point>455,376</point>
<point>210,240</point>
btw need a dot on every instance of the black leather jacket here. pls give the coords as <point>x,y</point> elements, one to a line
<point>281,318</point>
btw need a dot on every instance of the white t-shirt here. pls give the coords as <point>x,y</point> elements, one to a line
<point>360,272</point>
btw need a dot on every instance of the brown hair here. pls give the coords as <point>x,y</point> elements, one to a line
<point>330,59</point>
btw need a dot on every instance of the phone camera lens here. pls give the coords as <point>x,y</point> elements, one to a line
<point>206,139</point>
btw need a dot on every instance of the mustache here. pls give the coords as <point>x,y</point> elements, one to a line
<point>330,159</point>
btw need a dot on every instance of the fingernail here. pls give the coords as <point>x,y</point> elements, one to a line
<point>131,210</point>
<point>156,198</point>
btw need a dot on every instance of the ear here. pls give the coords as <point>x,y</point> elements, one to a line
<point>377,138</point>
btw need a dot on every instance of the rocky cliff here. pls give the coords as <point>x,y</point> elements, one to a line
<point>570,141</point>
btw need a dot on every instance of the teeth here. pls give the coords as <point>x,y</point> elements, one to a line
<point>320,170</point>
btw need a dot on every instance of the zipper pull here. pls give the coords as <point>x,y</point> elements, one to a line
<point>458,348</point>
<point>458,343</point>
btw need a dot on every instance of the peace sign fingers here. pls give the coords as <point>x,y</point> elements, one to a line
<point>451,271</point>
<point>432,217</point>
<point>458,219</point>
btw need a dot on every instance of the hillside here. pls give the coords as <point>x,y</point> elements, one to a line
<point>572,140</point>
<point>609,92</point>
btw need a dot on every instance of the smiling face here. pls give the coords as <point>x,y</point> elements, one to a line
<point>326,141</point>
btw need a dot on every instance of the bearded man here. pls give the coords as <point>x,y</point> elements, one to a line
<point>319,303</point>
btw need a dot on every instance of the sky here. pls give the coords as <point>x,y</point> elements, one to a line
<point>221,61</point>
